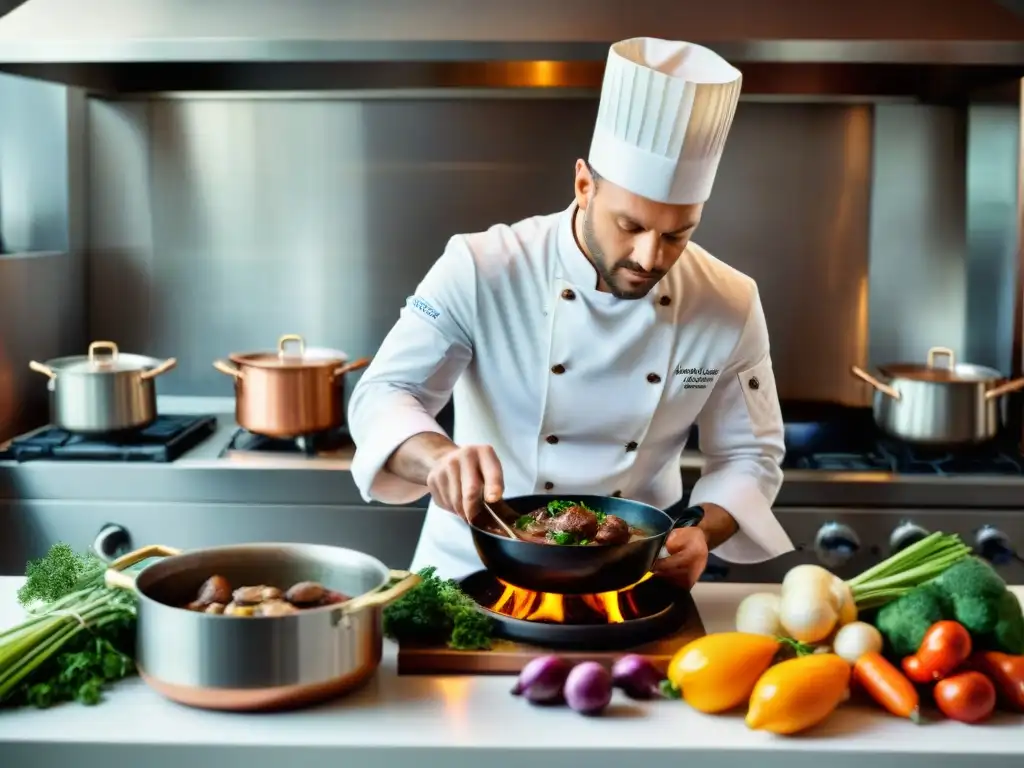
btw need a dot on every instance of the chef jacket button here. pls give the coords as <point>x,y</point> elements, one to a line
<point>753,383</point>
<point>552,439</point>
<point>617,494</point>
<point>558,369</point>
<point>568,294</point>
<point>548,485</point>
<point>631,446</point>
<point>665,301</point>
<point>653,378</point>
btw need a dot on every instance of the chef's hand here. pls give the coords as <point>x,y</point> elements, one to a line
<point>687,557</point>
<point>464,475</point>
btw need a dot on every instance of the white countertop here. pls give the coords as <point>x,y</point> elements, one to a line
<point>474,721</point>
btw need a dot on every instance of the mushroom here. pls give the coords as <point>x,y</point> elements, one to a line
<point>305,593</point>
<point>255,595</point>
<point>215,589</point>
<point>275,608</point>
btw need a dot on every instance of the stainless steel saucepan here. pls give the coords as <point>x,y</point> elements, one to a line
<point>246,663</point>
<point>103,391</point>
<point>942,404</point>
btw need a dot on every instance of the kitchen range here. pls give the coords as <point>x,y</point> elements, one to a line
<point>188,476</point>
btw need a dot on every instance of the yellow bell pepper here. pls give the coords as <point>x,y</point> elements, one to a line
<point>716,673</point>
<point>798,694</point>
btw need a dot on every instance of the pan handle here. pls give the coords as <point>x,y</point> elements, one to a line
<point>116,578</point>
<point>355,365</point>
<point>885,389</point>
<point>688,518</point>
<point>43,369</point>
<point>404,581</point>
<point>228,370</point>
<point>1005,389</point>
<point>161,369</point>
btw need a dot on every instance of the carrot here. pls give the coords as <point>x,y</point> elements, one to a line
<point>887,686</point>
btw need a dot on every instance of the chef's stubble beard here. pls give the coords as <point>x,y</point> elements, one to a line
<point>601,263</point>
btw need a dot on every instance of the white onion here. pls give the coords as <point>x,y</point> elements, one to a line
<point>855,639</point>
<point>758,614</point>
<point>843,601</point>
<point>806,576</point>
<point>807,612</point>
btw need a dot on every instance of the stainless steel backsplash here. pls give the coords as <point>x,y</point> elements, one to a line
<point>217,224</point>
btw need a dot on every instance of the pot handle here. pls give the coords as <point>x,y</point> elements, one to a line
<point>43,369</point>
<point>163,368</point>
<point>109,346</point>
<point>405,581</point>
<point>885,389</point>
<point>355,365</point>
<point>945,352</point>
<point>1005,389</point>
<point>228,370</point>
<point>291,337</point>
<point>115,578</point>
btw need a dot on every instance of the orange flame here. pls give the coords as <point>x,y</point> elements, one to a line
<point>613,607</point>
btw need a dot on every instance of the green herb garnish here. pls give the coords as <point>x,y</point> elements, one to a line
<point>78,638</point>
<point>561,537</point>
<point>555,508</point>
<point>437,611</point>
<point>523,521</point>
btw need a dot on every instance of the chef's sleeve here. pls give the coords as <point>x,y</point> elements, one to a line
<point>742,440</point>
<point>413,374</point>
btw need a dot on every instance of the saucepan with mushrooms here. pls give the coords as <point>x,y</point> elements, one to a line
<point>257,626</point>
<point>578,545</point>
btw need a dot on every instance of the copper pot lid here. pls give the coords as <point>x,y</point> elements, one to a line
<point>951,372</point>
<point>292,354</point>
<point>103,357</point>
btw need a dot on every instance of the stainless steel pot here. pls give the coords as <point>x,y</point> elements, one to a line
<point>948,405</point>
<point>292,391</point>
<point>103,391</point>
<point>244,663</point>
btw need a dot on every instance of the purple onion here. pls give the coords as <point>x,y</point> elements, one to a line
<point>637,677</point>
<point>588,688</point>
<point>542,679</point>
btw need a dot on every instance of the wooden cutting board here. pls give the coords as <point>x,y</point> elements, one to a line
<point>508,658</point>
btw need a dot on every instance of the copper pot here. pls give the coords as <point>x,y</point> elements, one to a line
<point>290,392</point>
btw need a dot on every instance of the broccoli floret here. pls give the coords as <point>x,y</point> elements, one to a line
<point>904,621</point>
<point>1008,634</point>
<point>975,591</point>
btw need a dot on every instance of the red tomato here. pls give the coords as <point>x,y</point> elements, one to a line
<point>946,645</point>
<point>968,697</point>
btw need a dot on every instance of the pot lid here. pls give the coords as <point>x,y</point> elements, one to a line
<point>103,357</point>
<point>292,353</point>
<point>948,371</point>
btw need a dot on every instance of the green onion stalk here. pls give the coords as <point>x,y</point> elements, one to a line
<point>909,568</point>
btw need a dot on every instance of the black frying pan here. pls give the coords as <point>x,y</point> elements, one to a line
<point>571,570</point>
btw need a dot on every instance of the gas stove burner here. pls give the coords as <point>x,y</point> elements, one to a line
<point>303,445</point>
<point>640,614</point>
<point>901,458</point>
<point>163,441</point>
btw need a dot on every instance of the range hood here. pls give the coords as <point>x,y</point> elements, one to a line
<point>146,45</point>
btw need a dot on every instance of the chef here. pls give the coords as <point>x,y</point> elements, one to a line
<point>580,347</point>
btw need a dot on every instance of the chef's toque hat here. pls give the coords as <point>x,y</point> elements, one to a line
<point>666,109</point>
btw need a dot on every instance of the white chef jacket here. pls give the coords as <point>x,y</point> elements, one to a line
<point>578,392</point>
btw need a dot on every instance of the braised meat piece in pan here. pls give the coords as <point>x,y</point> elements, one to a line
<point>579,522</point>
<point>612,530</point>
